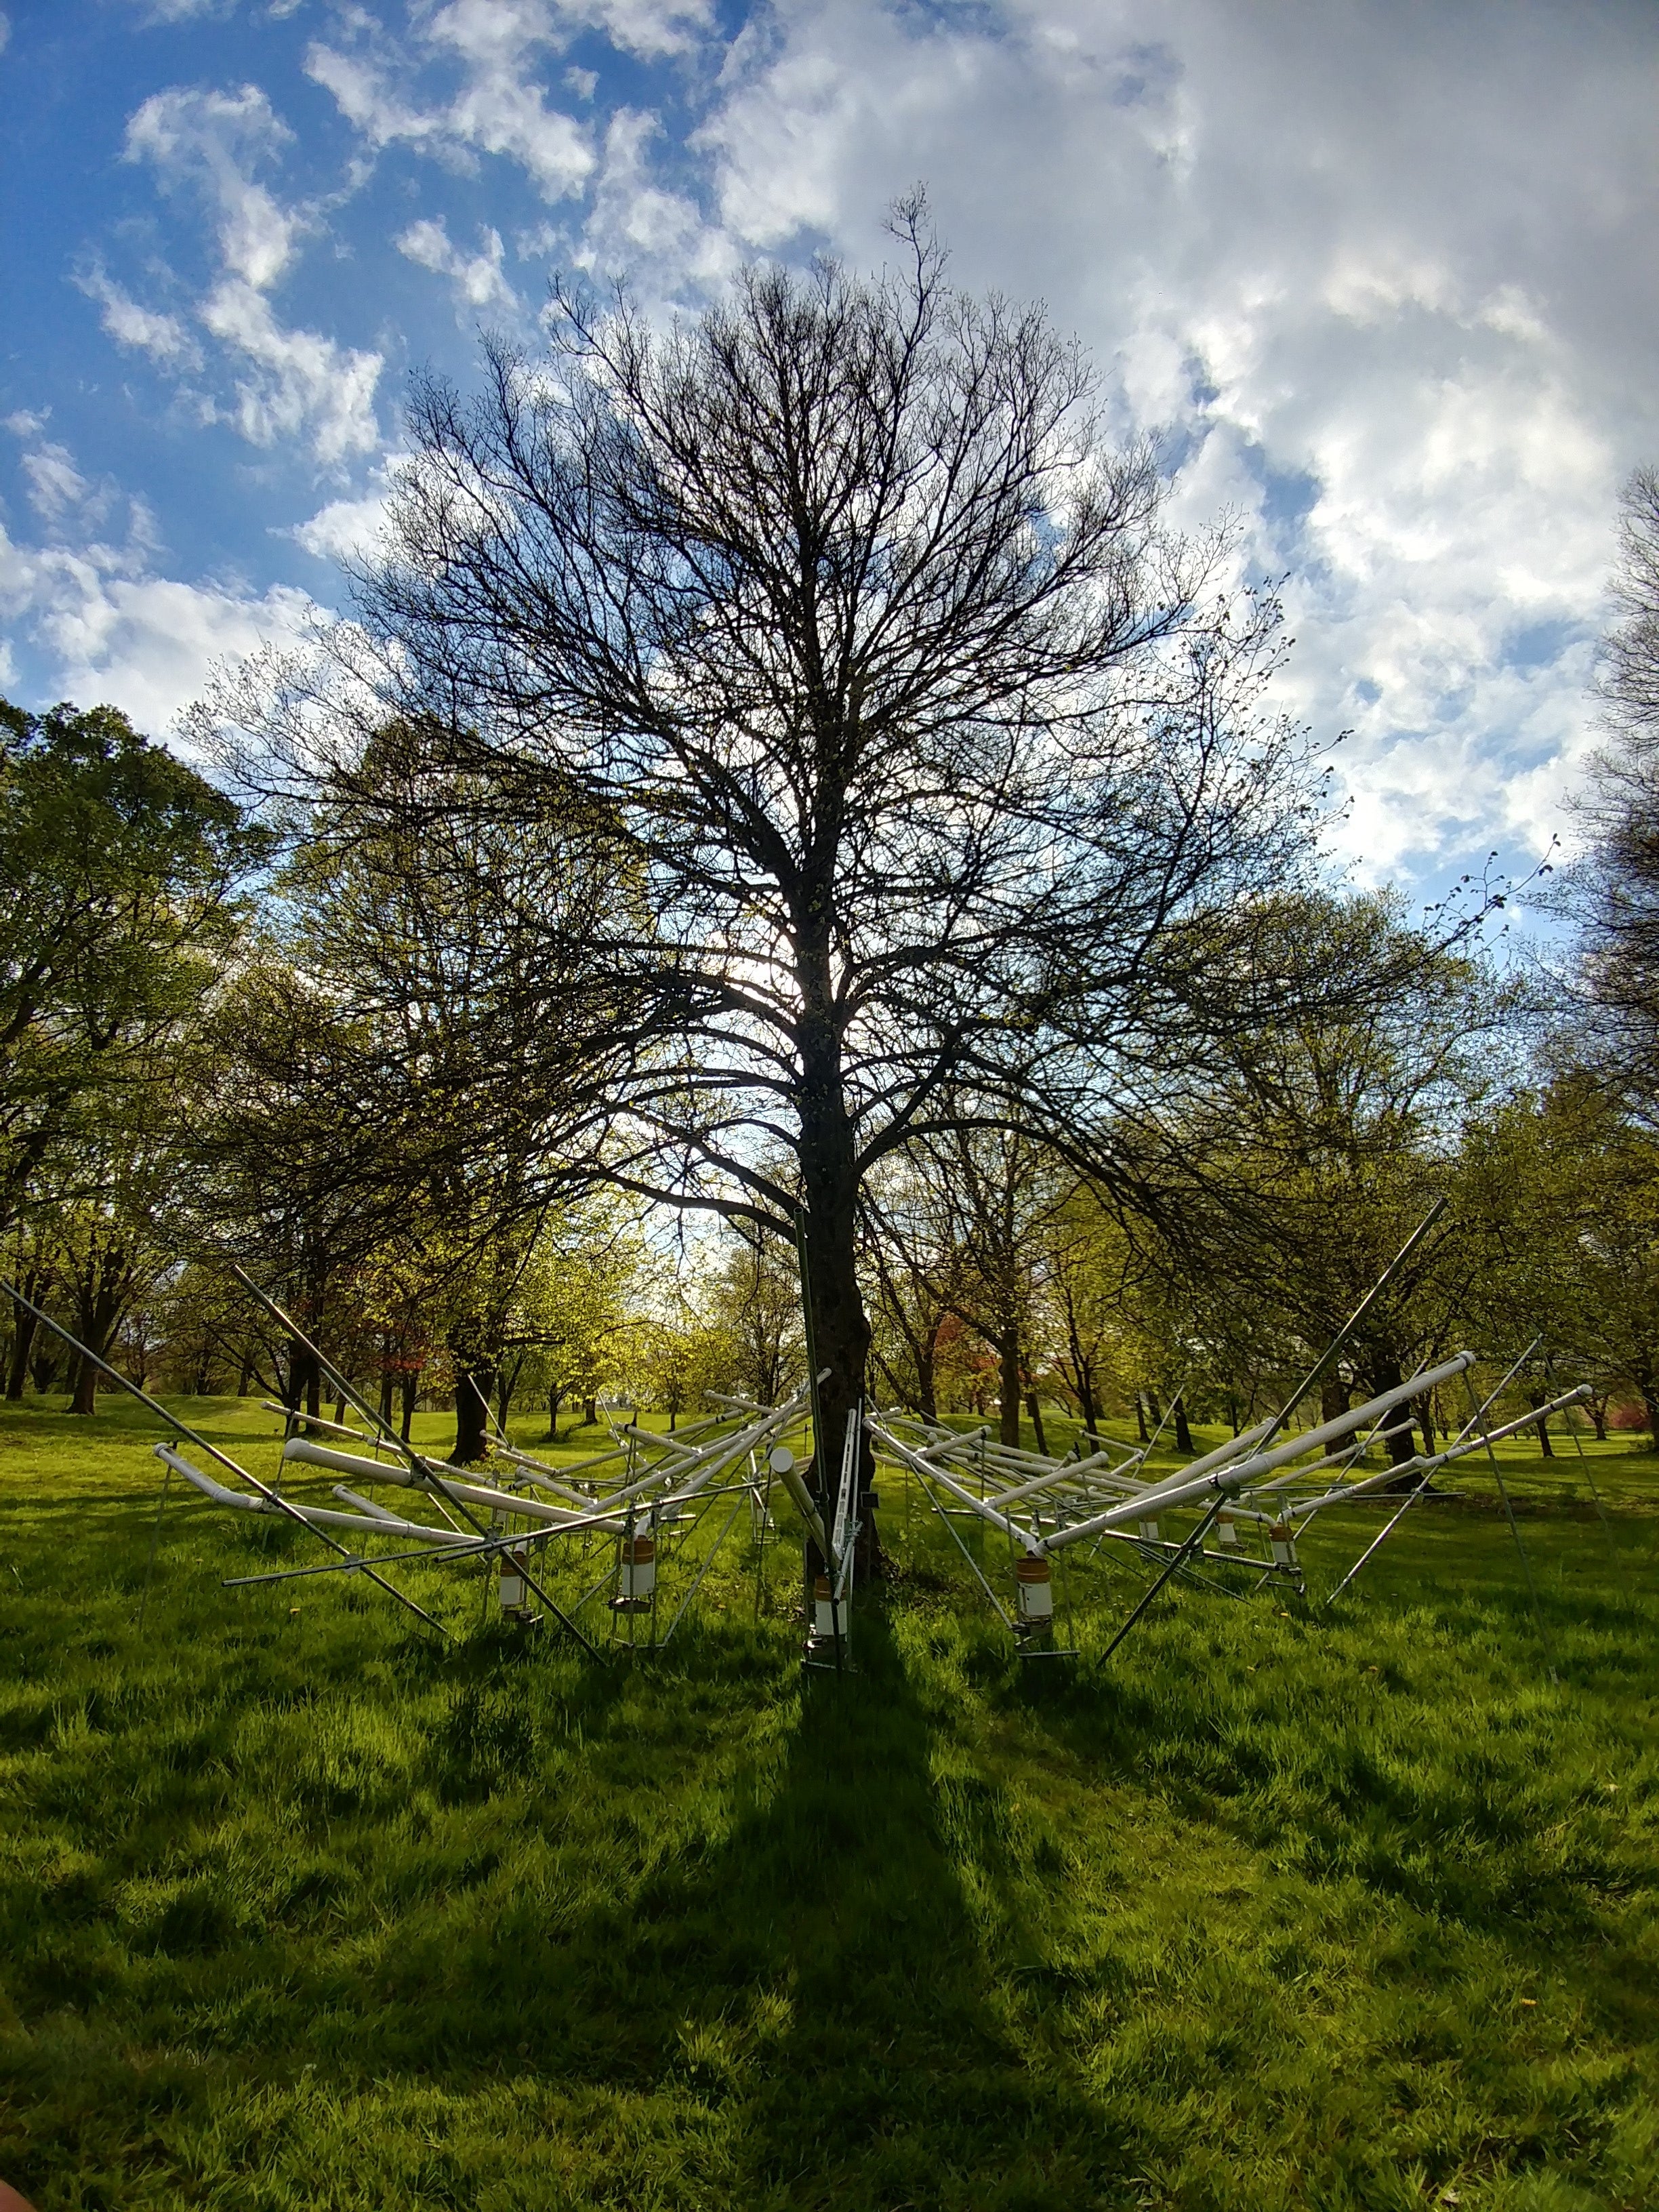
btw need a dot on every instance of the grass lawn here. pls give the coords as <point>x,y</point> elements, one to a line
<point>1281,1906</point>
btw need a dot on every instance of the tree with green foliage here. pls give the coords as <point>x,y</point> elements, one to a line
<point>121,871</point>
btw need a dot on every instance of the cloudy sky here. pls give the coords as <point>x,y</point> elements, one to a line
<point>1381,276</point>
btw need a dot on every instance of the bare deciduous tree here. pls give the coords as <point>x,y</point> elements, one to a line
<point>941,760</point>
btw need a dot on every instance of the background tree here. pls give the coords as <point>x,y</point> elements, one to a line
<point>121,868</point>
<point>1613,890</point>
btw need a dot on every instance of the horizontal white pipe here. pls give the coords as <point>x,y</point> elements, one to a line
<point>934,1472</point>
<point>306,1454</point>
<point>1227,1481</point>
<point>1426,1463</point>
<point>318,1517</point>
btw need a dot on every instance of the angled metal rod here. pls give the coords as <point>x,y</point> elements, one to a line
<point>707,1563</point>
<point>192,1436</point>
<point>1514,1531</point>
<point>1327,1358</point>
<point>1331,1596</point>
<point>415,1461</point>
<point>1195,1542</point>
<point>1622,1578</point>
<point>955,1537</point>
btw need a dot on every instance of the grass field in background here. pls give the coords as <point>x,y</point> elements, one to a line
<point>1280,1906</point>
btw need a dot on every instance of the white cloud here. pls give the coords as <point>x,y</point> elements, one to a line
<point>299,382</point>
<point>107,626</point>
<point>212,139</point>
<point>345,527</point>
<point>1392,291</point>
<point>142,330</point>
<point>657,238</point>
<point>498,109</point>
<point>286,383</point>
<point>478,281</point>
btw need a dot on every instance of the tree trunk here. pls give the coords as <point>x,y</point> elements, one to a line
<point>244,1375</point>
<point>591,1413</point>
<point>926,1370</point>
<point>1535,1398</point>
<point>386,1380</point>
<point>1141,1418</point>
<point>1183,1432</point>
<point>839,1328</point>
<point>1333,1398</point>
<point>1088,1411</point>
<point>1036,1412</point>
<point>84,1398</point>
<point>23,1344</point>
<point>1008,1387</point>
<point>555,1399</point>
<point>411,1391</point>
<point>473,1385</point>
<point>1397,1434</point>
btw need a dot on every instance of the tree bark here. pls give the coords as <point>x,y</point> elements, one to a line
<point>1183,1432</point>
<point>840,1328</point>
<point>473,1385</point>
<point>1036,1412</point>
<point>84,1398</point>
<point>1535,1398</point>
<point>1008,1387</point>
<point>555,1399</point>
<point>411,1391</point>
<point>23,1344</point>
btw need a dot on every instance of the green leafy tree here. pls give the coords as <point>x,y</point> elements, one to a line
<point>121,871</point>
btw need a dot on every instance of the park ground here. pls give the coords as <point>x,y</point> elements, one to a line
<point>1282,1905</point>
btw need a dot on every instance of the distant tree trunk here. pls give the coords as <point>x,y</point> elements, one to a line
<point>1397,1434</point>
<point>590,1413</point>
<point>1036,1412</point>
<point>1008,1387</point>
<point>387,1380</point>
<point>473,1385</point>
<point>244,1375</point>
<point>339,1413</point>
<point>1426,1422</point>
<point>1537,1398</point>
<point>926,1372</point>
<point>1597,1409</point>
<point>411,1381</point>
<point>1141,1418</point>
<point>1333,1398</point>
<point>23,1343</point>
<point>84,1399</point>
<point>555,1398</point>
<point>44,1363</point>
<point>1088,1409</point>
<point>1183,1432</point>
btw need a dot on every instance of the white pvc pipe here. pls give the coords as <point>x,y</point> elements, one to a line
<point>1427,1463</point>
<point>318,1517</point>
<point>302,1450</point>
<point>1227,1481</point>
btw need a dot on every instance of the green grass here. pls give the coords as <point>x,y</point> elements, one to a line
<point>1279,1907</point>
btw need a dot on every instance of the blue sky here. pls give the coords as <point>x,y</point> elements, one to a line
<point>1383,275</point>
